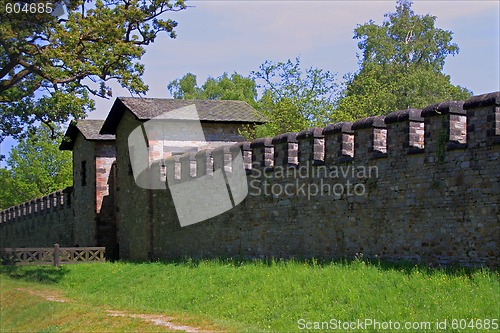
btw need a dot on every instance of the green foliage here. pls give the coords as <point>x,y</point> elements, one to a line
<point>294,99</point>
<point>50,67</point>
<point>36,167</point>
<point>273,295</point>
<point>224,87</point>
<point>284,116</point>
<point>185,88</point>
<point>234,87</point>
<point>401,66</point>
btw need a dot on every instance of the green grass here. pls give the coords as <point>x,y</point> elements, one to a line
<point>275,295</point>
<point>21,311</point>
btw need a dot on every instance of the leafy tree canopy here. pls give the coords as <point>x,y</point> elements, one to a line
<point>224,87</point>
<point>401,65</point>
<point>50,67</point>
<point>36,167</point>
<point>294,99</point>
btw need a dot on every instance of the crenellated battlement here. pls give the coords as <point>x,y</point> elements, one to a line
<point>311,146</point>
<point>41,206</point>
<point>431,131</point>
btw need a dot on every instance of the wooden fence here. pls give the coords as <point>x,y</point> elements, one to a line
<point>52,256</point>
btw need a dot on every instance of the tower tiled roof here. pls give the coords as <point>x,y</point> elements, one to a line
<point>208,110</point>
<point>89,128</point>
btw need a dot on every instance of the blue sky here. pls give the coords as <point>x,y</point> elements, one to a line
<point>237,36</point>
<point>214,37</point>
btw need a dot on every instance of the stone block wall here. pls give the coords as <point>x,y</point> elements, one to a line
<point>217,131</point>
<point>166,138</point>
<point>417,185</point>
<point>39,223</point>
<point>84,183</point>
<point>94,207</point>
<point>132,214</point>
<point>105,156</point>
<point>134,222</point>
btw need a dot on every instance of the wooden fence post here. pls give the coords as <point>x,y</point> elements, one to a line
<point>57,260</point>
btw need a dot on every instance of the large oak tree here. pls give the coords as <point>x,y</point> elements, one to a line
<point>50,66</point>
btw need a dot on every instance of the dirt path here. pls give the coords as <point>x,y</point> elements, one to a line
<point>48,295</point>
<point>156,319</point>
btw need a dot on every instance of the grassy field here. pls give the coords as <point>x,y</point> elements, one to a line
<point>251,296</point>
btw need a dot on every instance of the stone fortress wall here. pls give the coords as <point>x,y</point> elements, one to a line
<point>40,222</point>
<point>417,185</point>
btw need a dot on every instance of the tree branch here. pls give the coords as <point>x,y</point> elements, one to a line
<point>14,61</point>
<point>7,84</point>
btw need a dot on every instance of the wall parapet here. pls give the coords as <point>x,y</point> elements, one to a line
<point>286,149</point>
<point>404,115</point>
<point>479,101</point>
<point>262,151</point>
<point>44,205</point>
<point>370,138</point>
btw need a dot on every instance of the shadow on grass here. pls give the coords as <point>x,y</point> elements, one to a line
<point>40,274</point>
